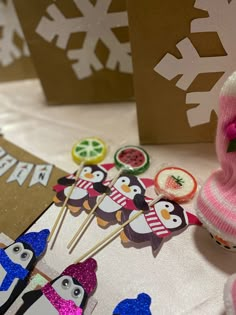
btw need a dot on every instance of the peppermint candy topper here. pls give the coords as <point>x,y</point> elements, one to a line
<point>175,183</point>
<point>132,158</point>
<point>92,150</point>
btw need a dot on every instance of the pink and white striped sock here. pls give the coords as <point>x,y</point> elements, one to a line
<point>216,202</point>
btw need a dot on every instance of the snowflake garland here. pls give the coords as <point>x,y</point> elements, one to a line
<point>10,25</point>
<point>221,20</point>
<point>97,23</point>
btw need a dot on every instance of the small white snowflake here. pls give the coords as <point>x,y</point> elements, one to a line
<point>98,23</point>
<point>10,25</point>
<point>221,20</point>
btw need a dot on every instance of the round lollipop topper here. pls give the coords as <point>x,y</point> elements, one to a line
<point>91,150</point>
<point>176,183</point>
<point>132,158</point>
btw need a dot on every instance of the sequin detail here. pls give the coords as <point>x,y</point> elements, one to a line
<point>138,306</point>
<point>64,307</point>
<point>13,271</point>
<point>36,240</point>
<point>84,273</point>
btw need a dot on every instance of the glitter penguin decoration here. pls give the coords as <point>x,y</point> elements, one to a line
<point>16,262</point>
<point>91,176</point>
<point>163,220</point>
<point>65,295</point>
<point>138,306</point>
<point>127,193</point>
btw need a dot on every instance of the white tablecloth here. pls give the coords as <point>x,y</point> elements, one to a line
<point>188,274</point>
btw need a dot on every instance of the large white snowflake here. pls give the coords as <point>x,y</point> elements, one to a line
<point>97,22</point>
<point>221,20</point>
<point>9,23</point>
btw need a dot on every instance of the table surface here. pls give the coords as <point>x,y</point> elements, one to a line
<point>188,274</point>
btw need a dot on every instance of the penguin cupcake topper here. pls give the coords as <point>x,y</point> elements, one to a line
<point>88,151</point>
<point>128,192</point>
<point>165,219</point>
<point>154,219</point>
<point>16,262</point>
<point>65,295</point>
<point>120,190</point>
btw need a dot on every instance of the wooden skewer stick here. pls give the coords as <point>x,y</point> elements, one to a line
<point>113,234</point>
<point>66,200</point>
<point>90,216</point>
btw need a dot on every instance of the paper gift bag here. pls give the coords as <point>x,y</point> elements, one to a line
<point>80,48</point>
<point>15,62</point>
<point>183,51</point>
<point>26,188</point>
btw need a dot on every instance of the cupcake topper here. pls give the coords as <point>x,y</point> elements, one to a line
<point>175,183</point>
<point>16,262</point>
<point>129,158</point>
<point>88,151</point>
<point>66,295</point>
<point>155,220</point>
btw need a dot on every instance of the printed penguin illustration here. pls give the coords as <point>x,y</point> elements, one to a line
<point>65,295</point>
<point>92,176</point>
<point>162,220</point>
<point>16,262</point>
<point>139,306</point>
<point>128,193</point>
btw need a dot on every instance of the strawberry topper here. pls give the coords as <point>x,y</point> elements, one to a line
<point>175,183</point>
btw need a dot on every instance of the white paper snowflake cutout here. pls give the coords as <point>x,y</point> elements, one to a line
<point>10,25</point>
<point>98,24</point>
<point>221,20</point>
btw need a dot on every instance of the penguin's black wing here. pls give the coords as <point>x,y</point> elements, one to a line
<point>66,181</point>
<point>99,187</point>
<point>29,298</point>
<point>140,203</point>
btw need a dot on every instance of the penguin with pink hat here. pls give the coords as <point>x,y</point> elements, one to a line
<point>65,295</point>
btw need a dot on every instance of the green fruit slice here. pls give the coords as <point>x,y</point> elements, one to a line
<point>91,150</point>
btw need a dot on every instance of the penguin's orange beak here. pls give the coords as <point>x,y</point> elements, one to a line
<point>125,188</point>
<point>89,175</point>
<point>165,214</point>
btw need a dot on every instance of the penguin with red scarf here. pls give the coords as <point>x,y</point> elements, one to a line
<point>92,176</point>
<point>128,193</point>
<point>163,220</point>
<point>65,295</point>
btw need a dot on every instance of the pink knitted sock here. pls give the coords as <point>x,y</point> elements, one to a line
<point>216,203</point>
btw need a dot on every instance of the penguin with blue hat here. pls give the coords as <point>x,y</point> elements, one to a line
<point>16,262</point>
<point>138,306</point>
